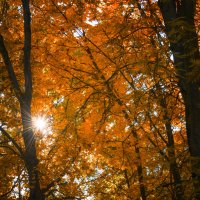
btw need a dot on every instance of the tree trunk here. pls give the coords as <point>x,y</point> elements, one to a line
<point>139,167</point>
<point>193,131</point>
<point>25,105</point>
<point>30,154</point>
<point>180,29</point>
<point>24,99</point>
<point>179,194</point>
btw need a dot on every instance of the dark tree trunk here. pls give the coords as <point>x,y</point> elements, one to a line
<point>30,153</point>
<point>25,105</point>
<point>192,104</point>
<point>180,29</point>
<point>179,194</point>
<point>139,167</point>
<point>24,99</point>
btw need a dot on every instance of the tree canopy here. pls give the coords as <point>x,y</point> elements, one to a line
<point>99,99</point>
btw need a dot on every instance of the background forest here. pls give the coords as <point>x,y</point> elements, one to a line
<point>99,99</point>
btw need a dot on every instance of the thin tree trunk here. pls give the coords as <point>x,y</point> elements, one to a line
<point>179,194</point>
<point>19,184</point>
<point>25,105</point>
<point>30,154</point>
<point>24,99</point>
<point>180,29</point>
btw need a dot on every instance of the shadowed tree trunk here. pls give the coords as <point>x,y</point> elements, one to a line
<point>25,104</point>
<point>180,29</point>
<point>160,96</point>
<point>178,188</point>
<point>24,99</point>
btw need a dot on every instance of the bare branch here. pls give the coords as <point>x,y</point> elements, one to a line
<point>10,69</point>
<point>50,185</point>
<point>7,193</point>
<point>13,141</point>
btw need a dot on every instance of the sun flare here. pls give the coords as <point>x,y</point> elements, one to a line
<point>40,123</point>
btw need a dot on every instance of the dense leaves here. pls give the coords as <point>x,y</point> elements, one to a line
<point>109,81</point>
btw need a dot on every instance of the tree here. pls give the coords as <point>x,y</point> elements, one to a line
<point>181,32</point>
<point>24,98</point>
<point>105,80</point>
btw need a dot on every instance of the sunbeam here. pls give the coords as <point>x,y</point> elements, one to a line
<point>40,123</point>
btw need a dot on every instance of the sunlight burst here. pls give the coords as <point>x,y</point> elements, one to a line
<point>40,123</point>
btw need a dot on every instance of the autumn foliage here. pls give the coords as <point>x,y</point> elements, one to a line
<point>109,79</point>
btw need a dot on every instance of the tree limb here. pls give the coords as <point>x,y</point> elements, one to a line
<point>13,141</point>
<point>10,69</point>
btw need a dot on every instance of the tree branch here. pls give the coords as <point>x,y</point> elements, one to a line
<point>50,185</point>
<point>7,193</point>
<point>13,141</point>
<point>10,69</point>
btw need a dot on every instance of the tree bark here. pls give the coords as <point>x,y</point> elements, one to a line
<point>180,29</point>
<point>30,153</point>
<point>24,99</point>
<point>179,194</point>
<point>25,105</point>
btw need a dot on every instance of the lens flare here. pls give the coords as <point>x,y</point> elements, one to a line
<point>40,123</point>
